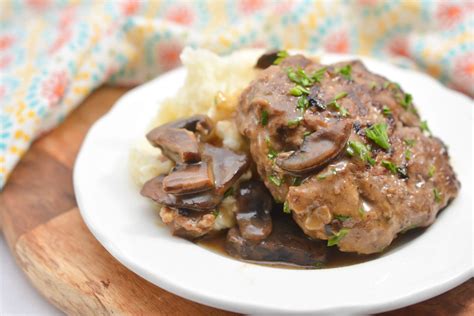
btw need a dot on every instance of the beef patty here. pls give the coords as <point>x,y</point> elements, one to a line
<point>346,151</point>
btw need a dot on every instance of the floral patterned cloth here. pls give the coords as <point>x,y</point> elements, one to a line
<point>53,53</point>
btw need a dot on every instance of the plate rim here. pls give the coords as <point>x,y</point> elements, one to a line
<point>408,299</point>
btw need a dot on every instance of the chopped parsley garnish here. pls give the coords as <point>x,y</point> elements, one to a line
<point>318,75</point>
<point>406,101</point>
<point>229,192</point>
<point>409,142</point>
<point>280,56</point>
<point>343,111</point>
<point>264,118</point>
<point>327,174</point>
<point>299,77</point>
<point>303,82</point>
<point>401,171</point>
<point>346,72</point>
<point>342,218</point>
<point>340,95</point>
<point>386,110</point>
<point>437,195</point>
<point>298,91</point>
<point>307,133</point>
<point>360,150</point>
<point>431,171</point>
<point>408,154</point>
<point>424,127</point>
<point>275,180</point>
<point>272,153</point>
<point>336,238</point>
<point>390,166</point>
<point>297,181</point>
<point>295,122</point>
<point>303,103</point>
<point>215,213</point>
<point>286,208</point>
<point>378,134</point>
<point>338,107</point>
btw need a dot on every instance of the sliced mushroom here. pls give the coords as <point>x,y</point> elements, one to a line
<point>177,144</point>
<point>267,59</point>
<point>286,244</point>
<point>254,204</point>
<point>317,149</point>
<point>198,123</point>
<point>202,201</point>
<point>186,179</point>
<point>227,166</point>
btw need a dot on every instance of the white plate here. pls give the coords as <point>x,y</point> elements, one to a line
<point>126,225</point>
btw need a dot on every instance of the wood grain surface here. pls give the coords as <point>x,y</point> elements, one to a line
<point>41,223</point>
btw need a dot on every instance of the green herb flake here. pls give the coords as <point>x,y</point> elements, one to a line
<point>386,84</point>
<point>408,154</point>
<point>346,72</point>
<point>295,122</point>
<point>360,150</point>
<point>275,180</point>
<point>372,85</point>
<point>280,56</point>
<point>272,153</point>
<point>344,112</point>
<point>390,166</point>
<point>424,127</point>
<point>431,171</point>
<point>336,238</point>
<point>342,218</point>
<point>386,110</point>
<point>378,134</point>
<point>307,133</point>
<point>406,101</point>
<point>323,176</point>
<point>299,77</point>
<point>264,118</point>
<point>286,208</point>
<point>409,142</point>
<point>437,195</point>
<point>298,91</point>
<point>318,75</point>
<point>361,212</point>
<point>303,103</point>
<point>340,95</point>
<point>215,213</point>
<point>297,181</point>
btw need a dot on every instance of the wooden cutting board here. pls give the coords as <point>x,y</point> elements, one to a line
<point>41,223</point>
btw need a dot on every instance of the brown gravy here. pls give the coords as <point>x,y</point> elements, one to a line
<point>335,258</point>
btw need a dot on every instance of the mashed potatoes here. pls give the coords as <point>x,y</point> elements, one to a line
<point>212,87</point>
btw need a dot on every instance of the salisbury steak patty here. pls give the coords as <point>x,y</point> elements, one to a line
<point>346,152</point>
